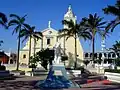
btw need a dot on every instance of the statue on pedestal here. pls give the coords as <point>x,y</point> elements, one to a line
<point>56,81</point>
<point>57,53</point>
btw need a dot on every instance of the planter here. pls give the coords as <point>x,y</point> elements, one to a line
<point>115,77</point>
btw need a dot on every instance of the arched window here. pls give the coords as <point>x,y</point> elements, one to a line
<point>95,55</point>
<point>109,55</point>
<point>24,56</point>
<point>48,41</point>
<point>86,54</point>
<point>11,61</point>
<point>105,55</point>
<point>113,55</point>
<point>118,54</point>
<point>100,55</point>
<point>90,55</point>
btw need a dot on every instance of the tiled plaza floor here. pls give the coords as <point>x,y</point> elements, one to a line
<point>27,83</point>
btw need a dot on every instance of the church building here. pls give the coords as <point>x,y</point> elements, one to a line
<point>50,37</point>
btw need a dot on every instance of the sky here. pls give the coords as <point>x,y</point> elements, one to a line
<point>39,12</point>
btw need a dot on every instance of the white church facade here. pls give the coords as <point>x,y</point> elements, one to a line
<point>50,37</point>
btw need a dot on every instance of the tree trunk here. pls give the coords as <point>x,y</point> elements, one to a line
<point>93,48</point>
<point>18,52</point>
<point>64,48</point>
<point>75,52</point>
<point>42,43</point>
<point>34,47</point>
<point>29,50</point>
<point>64,44</point>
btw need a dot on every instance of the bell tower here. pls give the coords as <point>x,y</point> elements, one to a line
<point>69,16</point>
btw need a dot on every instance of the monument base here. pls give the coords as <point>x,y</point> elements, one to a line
<point>56,81</point>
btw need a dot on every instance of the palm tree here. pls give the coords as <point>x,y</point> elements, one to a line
<point>18,22</point>
<point>95,25</point>
<point>116,48</point>
<point>113,10</point>
<point>74,30</point>
<point>28,32</point>
<point>3,19</point>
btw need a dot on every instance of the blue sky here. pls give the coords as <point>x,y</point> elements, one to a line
<point>39,12</point>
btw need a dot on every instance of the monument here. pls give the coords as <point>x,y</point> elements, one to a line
<point>54,81</point>
<point>57,53</point>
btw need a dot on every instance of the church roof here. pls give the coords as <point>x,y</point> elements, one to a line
<point>49,28</point>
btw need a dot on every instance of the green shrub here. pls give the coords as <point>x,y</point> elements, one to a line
<point>112,70</point>
<point>2,67</point>
<point>64,58</point>
<point>32,66</point>
<point>44,57</point>
<point>117,61</point>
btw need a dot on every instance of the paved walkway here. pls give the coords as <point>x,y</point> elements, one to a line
<point>27,83</point>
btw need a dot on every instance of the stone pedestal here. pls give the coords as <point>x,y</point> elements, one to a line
<point>59,69</point>
<point>57,79</point>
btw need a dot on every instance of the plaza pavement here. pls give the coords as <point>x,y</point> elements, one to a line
<point>27,83</point>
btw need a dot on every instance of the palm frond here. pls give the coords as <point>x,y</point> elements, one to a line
<point>17,28</point>
<point>22,20</point>
<point>15,16</point>
<point>68,23</point>
<point>25,38</point>
<point>1,41</point>
<point>36,37</point>
<point>39,34</point>
<point>102,23</point>
<point>69,36</point>
<point>3,24</point>
<point>3,17</point>
<point>111,10</point>
<point>23,33</point>
<point>85,35</point>
<point>27,26</point>
<point>62,31</point>
<point>13,22</point>
<point>114,26</point>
